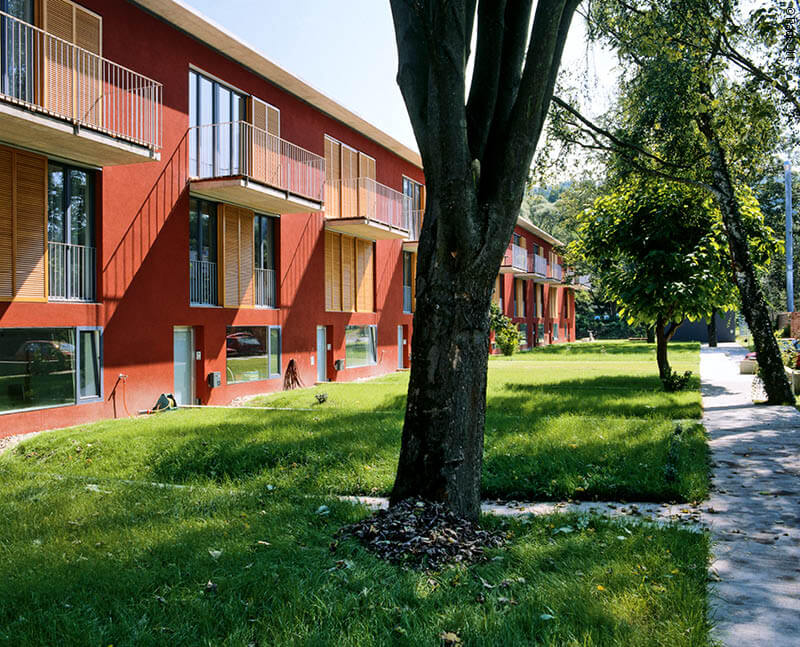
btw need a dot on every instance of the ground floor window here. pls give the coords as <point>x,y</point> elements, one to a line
<point>523,334</point>
<point>361,346</point>
<point>540,334</point>
<point>252,353</point>
<point>49,367</point>
<point>555,332</point>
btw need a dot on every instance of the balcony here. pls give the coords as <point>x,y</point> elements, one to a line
<point>203,286</point>
<point>414,229</point>
<point>537,269</point>
<point>66,101</point>
<point>556,273</point>
<point>515,260</point>
<point>266,288</point>
<point>363,207</point>
<point>72,273</point>
<point>236,162</point>
<point>576,282</point>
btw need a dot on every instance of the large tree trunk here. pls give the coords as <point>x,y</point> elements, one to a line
<point>712,329</point>
<point>442,444</point>
<point>754,307</point>
<point>476,159</point>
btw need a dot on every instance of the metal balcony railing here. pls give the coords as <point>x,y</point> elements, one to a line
<point>72,273</point>
<point>584,280</point>
<point>239,149</point>
<point>266,290</point>
<point>203,287</point>
<point>407,298</point>
<point>50,75</point>
<point>414,219</point>
<point>556,272</point>
<point>363,197</point>
<point>538,265</point>
<point>516,258</point>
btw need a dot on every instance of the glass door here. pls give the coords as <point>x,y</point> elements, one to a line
<point>17,49</point>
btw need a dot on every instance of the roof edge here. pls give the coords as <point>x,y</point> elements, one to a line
<point>195,24</point>
<point>541,233</point>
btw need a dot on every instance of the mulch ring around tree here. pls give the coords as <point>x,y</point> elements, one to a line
<point>422,535</point>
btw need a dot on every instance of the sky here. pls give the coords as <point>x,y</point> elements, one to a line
<point>346,49</point>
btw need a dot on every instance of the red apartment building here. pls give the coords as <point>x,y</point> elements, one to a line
<point>187,217</point>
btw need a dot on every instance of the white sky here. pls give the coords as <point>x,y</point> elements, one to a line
<point>346,49</point>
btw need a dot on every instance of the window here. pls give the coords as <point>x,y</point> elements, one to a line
<point>17,50</point>
<point>361,346</point>
<point>349,274</point>
<point>49,367</point>
<point>265,279</point>
<point>415,204</point>
<point>252,353</point>
<point>215,113</point>
<point>540,333</point>
<point>70,233</point>
<point>555,332</point>
<point>523,335</point>
<point>409,276</point>
<point>203,286</point>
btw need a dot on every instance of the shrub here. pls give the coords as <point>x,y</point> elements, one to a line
<point>506,334</point>
<point>676,382</point>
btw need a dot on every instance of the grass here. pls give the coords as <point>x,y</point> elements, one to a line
<point>99,563</point>
<point>94,552</point>
<point>560,424</point>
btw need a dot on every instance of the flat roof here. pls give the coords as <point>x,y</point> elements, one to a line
<point>541,233</point>
<point>195,24</point>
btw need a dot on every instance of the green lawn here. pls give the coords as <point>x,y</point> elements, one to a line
<point>101,563</point>
<point>560,424</point>
<point>94,552</point>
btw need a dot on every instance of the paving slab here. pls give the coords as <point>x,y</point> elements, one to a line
<point>755,524</point>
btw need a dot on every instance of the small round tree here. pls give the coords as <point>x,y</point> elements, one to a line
<point>661,252</point>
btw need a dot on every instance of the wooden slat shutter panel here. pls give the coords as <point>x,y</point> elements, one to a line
<point>273,121</point>
<point>59,20</point>
<point>496,292</point>
<point>369,279</point>
<point>246,258</point>
<point>330,241</point>
<point>523,242</point>
<point>257,143</point>
<point>367,206</point>
<point>230,219</point>
<point>336,274</point>
<point>333,165</point>
<point>347,273</point>
<point>6,224</point>
<point>31,238</point>
<point>349,182</point>
<point>89,69</point>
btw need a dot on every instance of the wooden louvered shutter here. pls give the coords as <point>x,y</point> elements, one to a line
<point>518,298</point>
<point>89,69</point>
<point>366,190</point>
<point>347,273</point>
<point>365,273</point>
<point>264,165</point>
<point>496,292</point>
<point>59,20</point>
<point>333,271</point>
<point>349,171</point>
<point>6,224</point>
<point>333,165</point>
<point>30,184</point>
<point>523,242</point>
<point>246,258</point>
<point>230,256</point>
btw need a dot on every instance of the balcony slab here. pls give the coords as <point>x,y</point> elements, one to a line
<point>366,228</point>
<point>247,193</point>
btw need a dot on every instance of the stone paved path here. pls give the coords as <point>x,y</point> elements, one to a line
<point>755,523</point>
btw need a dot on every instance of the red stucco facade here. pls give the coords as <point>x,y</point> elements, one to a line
<point>142,242</point>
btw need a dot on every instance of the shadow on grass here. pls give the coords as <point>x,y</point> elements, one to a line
<point>612,347</point>
<point>616,396</point>
<point>132,567</point>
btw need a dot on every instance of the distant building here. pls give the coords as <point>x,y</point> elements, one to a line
<point>698,330</point>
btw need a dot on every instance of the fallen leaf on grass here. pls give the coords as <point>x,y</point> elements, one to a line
<point>450,638</point>
<point>215,554</point>
<point>546,616</point>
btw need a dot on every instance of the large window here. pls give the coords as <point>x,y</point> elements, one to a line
<point>252,353</point>
<point>18,67</point>
<point>265,275</point>
<point>361,346</point>
<point>70,233</point>
<point>203,286</point>
<point>523,335</point>
<point>416,204</point>
<point>49,367</point>
<point>409,271</point>
<point>215,111</point>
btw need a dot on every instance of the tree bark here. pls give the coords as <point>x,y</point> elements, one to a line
<point>754,307</point>
<point>476,158</point>
<point>712,329</point>
<point>664,368</point>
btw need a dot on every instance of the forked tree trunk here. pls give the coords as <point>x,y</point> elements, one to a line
<point>754,307</point>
